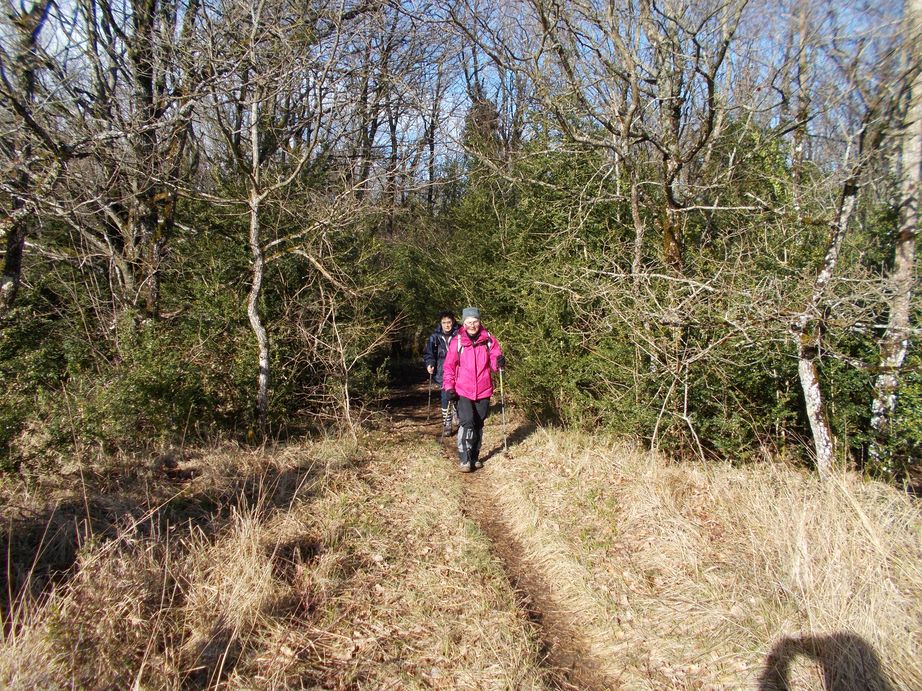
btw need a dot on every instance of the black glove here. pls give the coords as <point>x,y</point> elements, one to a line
<point>452,394</point>
<point>501,362</point>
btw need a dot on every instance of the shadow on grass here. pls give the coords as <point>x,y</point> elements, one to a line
<point>522,432</point>
<point>848,663</point>
<point>40,547</point>
<point>43,548</point>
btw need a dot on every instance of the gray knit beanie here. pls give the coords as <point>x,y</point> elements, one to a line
<point>470,312</point>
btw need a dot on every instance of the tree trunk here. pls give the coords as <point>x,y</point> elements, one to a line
<point>391,182</point>
<point>430,141</point>
<point>672,239</point>
<point>808,329</point>
<point>895,342</point>
<point>807,355</point>
<point>262,339</point>
<point>15,245</point>
<point>803,105</point>
<point>28,26</point>
<point>141,54</point>
<point>639,231</point>
<point>257,268</point>
<point>12,264</point>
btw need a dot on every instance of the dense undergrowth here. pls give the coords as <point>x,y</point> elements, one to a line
<point>699,362</point>
<point>85,375</point>
<point>700,366</point>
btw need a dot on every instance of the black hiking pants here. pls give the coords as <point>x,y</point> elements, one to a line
<point>471,415</point>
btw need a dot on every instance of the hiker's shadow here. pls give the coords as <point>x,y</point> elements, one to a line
<point>517,436</point>
<point>847,662</point>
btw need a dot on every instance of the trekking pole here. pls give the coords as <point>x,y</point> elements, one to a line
<point>429,402</point>
<point>502,403</point>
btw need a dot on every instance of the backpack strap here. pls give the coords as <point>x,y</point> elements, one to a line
<point>461,346</point>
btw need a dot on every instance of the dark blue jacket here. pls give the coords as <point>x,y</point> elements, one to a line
<point>436,349</point>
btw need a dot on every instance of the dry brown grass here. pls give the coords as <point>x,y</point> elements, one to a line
<point>713,577</point>
<point>323,565</point>
<point>353,565</point>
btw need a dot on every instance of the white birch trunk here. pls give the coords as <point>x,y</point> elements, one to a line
<point>262,339</point>
<point>816,413</point>
<point>639,229</point>
<point>257,267</point>
<point>808,338</point>
<point>895,342</point>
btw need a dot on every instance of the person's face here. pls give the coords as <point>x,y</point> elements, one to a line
<point>471,325</point>
<point>447,324</point>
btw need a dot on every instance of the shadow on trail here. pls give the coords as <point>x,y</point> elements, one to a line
<point>412,403</point>
<point>848,663</point>
<point>413,406</point>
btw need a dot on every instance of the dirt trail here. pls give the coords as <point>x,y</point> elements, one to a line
<point>567,654</point>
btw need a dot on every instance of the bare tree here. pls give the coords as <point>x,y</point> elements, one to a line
<point>642,81</point>
<point>19,78</point>
<point>810,324</point>
<point>398,70</point>
<point>266,95</point>
<point>280,115</point>
<point>118,86</point>
<point>895,342</point>
<point>872,105</point>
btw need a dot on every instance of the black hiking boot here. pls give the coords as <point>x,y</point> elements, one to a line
<point>475,459</point>
<point>446,430</point>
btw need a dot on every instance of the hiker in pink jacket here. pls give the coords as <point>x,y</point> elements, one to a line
<point>473,353</point>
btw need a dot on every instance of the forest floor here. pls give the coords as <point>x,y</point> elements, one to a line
<point>569,561</point>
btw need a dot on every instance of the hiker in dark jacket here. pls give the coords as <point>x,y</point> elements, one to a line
<point>472,355</point>
<point>434,356</point>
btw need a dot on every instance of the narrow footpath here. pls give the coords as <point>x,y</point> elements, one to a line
<point>568,656</point>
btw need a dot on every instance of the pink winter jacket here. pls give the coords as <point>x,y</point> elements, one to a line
<point>469,373</point>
